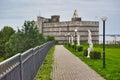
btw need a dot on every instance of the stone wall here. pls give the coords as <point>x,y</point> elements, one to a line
<point>59,29</point>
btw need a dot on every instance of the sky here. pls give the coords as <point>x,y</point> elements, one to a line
<point>14,12</point>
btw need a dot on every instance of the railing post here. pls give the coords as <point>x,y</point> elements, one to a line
<point>33,58</point>
<point>21,67</point>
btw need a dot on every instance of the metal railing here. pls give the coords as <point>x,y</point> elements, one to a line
<point>24,66</point>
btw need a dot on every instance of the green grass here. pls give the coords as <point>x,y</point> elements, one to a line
<point>112,70</point>
<point>46,68</point>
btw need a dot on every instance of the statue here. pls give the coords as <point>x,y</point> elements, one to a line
<point>78,40</point>
<point>72,40</point>
<point>75,14</point>
<point>90,43</point>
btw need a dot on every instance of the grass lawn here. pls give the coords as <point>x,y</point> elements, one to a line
<point>112,70</point>
<point>46,68</point>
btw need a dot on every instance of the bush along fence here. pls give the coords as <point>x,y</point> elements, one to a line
<point>24,66</point>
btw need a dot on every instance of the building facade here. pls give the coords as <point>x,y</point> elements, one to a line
<point>62,30</point>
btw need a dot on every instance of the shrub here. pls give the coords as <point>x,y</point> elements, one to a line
<point>69,45</point>
<point>56,42</point>
<point>85,52</point>
<point>80,48</point>
<point>72,46</point>
<point>50,38</point>
<point>95,55</point>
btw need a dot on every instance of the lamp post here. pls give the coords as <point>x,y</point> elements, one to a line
<point>68,37</point>
<point>75,39</point>
<point>104,19</point>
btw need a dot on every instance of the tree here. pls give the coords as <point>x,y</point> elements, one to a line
<point>32,35</point>
<point>24,39</point>
<point>6,32</point>
<point>5,35</point>
<point>50,38</point>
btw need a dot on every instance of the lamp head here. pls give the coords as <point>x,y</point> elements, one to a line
<point>75,30</point>
<point>104,18</point>
<point>65,34</point>
<point>68,34</point>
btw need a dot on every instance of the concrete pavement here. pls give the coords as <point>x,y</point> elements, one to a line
<point>69,67</point>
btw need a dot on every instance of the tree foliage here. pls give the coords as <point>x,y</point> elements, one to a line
<point>50,38</point>
<point>12,42</point>
<point>24,39</point>
<point>6,32</point>
<point>5,35</point>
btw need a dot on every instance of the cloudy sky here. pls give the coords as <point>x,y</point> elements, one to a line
<point>15,12</point>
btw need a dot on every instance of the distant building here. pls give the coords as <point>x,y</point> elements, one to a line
<point>52,26</point>
<point>110,39</point>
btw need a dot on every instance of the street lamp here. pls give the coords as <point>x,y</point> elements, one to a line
<point>68,37</point>
<point>75,39</point>
<point>104,19</point>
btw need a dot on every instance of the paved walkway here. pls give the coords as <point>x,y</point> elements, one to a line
<point>68,67</point>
